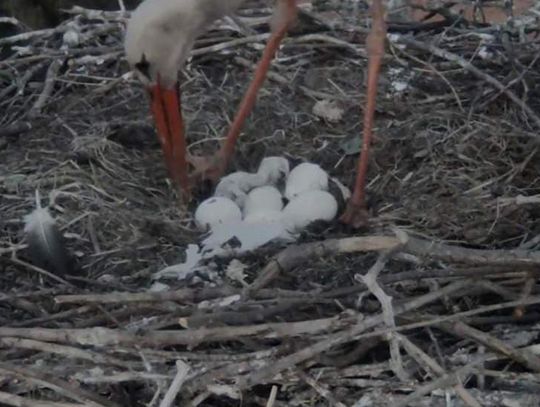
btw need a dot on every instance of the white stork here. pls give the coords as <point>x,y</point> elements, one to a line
<point>159,36</point>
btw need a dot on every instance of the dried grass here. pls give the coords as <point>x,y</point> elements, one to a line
<point>453,154</point>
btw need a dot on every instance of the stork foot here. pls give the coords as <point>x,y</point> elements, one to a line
<point>355,215</point>
<point>209,168</point>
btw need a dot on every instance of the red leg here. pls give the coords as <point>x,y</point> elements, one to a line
<point>215,168</point>
<point>356,211</point>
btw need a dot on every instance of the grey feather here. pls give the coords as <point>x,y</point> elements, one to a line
<point>46,244</point>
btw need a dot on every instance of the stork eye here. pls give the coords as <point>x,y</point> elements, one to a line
<point>143,66</point>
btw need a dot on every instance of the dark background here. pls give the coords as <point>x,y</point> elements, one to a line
<point>47,13</point>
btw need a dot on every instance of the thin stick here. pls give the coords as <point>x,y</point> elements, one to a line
<point>448,379</point>
<point>521,356</point>
<point>295,255</point>
<point>67,352</point>
<point>10,399</point>
<point>370,280</point>
<point>272,397</point>
<point>426,361</point>
<point>50,79</point>
<point>342,337</point>
<point>110,337</point>
<point>322,390</point>
<point>519,311</point>
<point>62,387</point>
<point>176,385</point>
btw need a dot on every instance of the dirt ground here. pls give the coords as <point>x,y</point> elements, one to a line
<point>453,158</point>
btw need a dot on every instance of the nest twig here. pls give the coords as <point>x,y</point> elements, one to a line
<point>452,303</point>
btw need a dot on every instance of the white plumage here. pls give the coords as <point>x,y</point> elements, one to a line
<point>274,169</point>
<point>164,32</point>
<point>237,185</point>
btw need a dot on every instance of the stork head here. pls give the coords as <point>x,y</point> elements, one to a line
<point>159,36</point>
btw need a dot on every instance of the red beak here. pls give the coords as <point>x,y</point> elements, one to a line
<point>166,108</point>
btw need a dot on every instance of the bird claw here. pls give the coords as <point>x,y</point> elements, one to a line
<point>355,215</point>
<point>209,168</point>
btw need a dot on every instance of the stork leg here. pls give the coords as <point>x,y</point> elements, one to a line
<point>356,212</point>
<point>214,167</point>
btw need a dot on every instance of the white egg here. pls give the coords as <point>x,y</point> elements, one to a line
<point>263,199</point>
<point>264,217</point>
<point>305,177</point>
<point>216,211</point>
<point>309,207</point>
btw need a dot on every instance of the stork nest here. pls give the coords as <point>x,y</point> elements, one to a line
<point>448,309</point>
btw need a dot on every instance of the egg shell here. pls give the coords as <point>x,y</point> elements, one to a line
<point>215,211</point>
<point>305,177</point>
<point>309,207</point>
<point>263,199</point>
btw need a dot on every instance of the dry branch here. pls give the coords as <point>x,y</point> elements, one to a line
<point>295,255</point>
<point>66,351</point>
<point>176,385</point>
<point>521,356</point>
<point>342,337</point>
<point>428,363</point>
<point>184,295</point>
<point>114,337</point>
<point>321,389</point>
<point>449,379</point>
<point>370,280</point>
<point>18,401</point>
<point>62,387</point>
<point>48,88</point>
